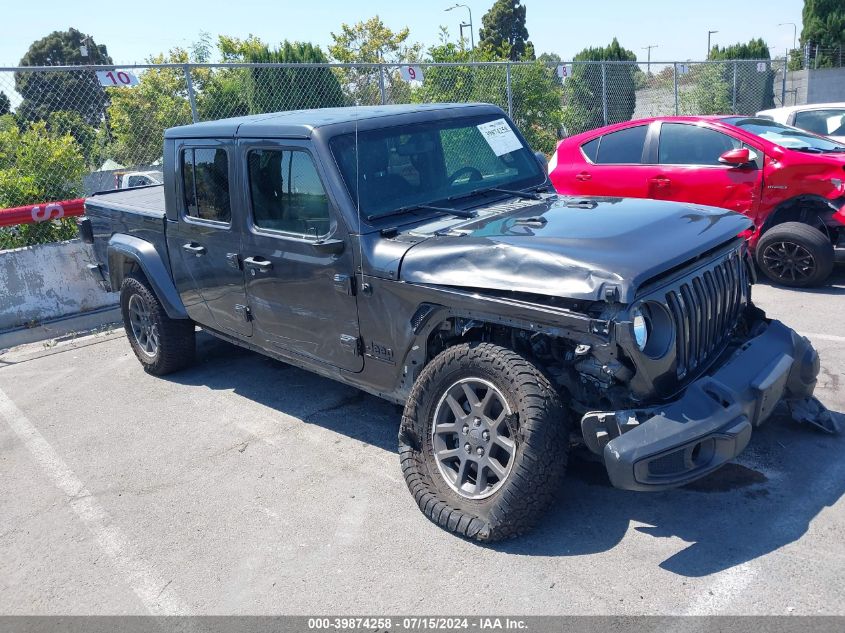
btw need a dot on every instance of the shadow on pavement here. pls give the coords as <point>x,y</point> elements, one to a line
<point>834,286</point>
<point>786,476</point>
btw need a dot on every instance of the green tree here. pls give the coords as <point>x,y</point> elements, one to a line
<point>372,42</point>
<point>589,88</point>
<point>138,116</point>
<point>754,88</point>
<point>5,104</point>
<point>37,165</point>
<point>705,90</point>
<point>64,123</point>
<point>503,32</point>
<point>823,26</point>
<point>535,89</point>
<point>44,92</point>
<point>273,89</point>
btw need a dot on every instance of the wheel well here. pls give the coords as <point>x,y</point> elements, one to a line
<point>815,212</point>
<point>120,267</point>
<point>582,372</point>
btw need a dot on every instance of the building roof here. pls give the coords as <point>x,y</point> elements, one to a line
<point>300,123</point>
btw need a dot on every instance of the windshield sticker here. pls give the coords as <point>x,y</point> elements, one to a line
<point>499,137</point>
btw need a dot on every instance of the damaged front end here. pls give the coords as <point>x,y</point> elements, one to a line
<point>711,368</point>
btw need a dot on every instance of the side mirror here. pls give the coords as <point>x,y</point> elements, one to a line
<point>736,157</point>
<point>541,158</point>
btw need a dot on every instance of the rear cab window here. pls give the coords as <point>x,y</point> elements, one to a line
<point>205,184</point>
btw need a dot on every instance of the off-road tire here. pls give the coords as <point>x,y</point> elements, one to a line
<point>539,419</point>
<point>805,237</point>
<point>176,338</point>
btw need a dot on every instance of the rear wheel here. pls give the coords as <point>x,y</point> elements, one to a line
<point>795,254</point>
<point>484,442</point>
<point>163,345</point>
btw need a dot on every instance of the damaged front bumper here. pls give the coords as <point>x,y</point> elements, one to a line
<point>710,424</point>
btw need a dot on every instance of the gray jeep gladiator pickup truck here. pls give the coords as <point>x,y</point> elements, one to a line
<point>420,254</point>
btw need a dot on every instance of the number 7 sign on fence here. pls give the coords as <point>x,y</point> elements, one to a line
<point>119,78</point>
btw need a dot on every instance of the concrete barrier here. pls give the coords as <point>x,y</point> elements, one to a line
<point>46,282</point>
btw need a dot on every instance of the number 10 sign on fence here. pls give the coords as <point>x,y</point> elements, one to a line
<point>117,78</point>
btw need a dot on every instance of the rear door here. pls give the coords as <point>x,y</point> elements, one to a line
<point>687,169</point>
<point>205,242</point>
<point>612,165</point>
<point>297,256</point>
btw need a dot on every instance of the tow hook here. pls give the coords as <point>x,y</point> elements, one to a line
<point>810,411</point>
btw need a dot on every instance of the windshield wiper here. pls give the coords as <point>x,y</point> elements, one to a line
<point>460,213</point>
<point>528,195</point>
<point>808,149</point>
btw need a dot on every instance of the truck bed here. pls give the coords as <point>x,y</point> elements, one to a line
<point>138,213</point>
<point>147,201</point>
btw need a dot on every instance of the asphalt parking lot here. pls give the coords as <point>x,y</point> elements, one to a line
<point>247,486</point>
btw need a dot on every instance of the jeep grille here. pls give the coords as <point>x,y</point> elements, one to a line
<point>705,308</point>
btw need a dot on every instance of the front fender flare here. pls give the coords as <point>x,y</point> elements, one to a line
<point>125,248</point>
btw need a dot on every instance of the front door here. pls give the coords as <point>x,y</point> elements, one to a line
<point>297,257</point>
<point>688,169</point>
<point>205,242</point>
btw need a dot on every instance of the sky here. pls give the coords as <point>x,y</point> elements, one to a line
<point>133,32</point>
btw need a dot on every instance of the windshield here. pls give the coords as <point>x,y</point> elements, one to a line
<point>410,165</point>
<point>785,136</point>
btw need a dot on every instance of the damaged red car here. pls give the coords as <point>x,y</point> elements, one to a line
<point>790,182</point>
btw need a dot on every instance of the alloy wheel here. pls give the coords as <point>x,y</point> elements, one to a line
<point>789,261</point>
<point>144,329</point>
<point>472,438</point>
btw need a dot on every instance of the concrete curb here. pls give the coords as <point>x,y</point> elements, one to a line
<point>62,327</point>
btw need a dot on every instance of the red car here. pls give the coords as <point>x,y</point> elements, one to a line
<point>791,183</point>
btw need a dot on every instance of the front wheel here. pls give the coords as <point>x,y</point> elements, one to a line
<point>795,254</point>
<point>484,442</point>
<point>163,345</point>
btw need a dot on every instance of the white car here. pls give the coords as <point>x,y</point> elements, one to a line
<point>826,119</point>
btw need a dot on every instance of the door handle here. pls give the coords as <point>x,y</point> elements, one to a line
<point>583,176</point>
<point>194,249</point>
<point>258,263</point>
<point>660,182</point>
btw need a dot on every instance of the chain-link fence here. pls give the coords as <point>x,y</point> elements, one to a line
<point>63,134</point>
<point>812,56</point>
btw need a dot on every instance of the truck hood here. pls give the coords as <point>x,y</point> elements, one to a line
<point>581,248</point>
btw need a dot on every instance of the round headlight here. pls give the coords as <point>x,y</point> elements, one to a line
<point>640,328</point>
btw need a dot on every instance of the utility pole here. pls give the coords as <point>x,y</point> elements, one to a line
<point>794,33</point>
<point>709,33</point>
<point>648,65</point>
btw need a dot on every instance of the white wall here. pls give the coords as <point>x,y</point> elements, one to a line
<point>47,281</point>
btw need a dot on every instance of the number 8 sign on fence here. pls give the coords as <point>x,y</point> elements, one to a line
<point>118,78</point>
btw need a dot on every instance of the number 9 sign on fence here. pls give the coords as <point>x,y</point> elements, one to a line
<point>117,78</point>
<point>411,73</point>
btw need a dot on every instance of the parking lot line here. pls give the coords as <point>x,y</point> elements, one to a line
<point>156,594</point>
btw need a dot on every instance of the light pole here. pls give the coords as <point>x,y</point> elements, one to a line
<point>463,24</point>
<point>648,48</point>
<point>709,33</point>
<point>794,32</point>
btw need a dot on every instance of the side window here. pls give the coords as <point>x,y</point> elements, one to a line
<point>205,176</point>
<point>622,147</point>
<point>822,122</point>
<point>287,194</point>
<point>682,144</point>
<point>591,149</point>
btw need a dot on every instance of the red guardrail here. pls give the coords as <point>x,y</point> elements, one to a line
<point>42,212</point>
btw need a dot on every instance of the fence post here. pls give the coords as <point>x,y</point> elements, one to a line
<point>675,77</point>
<point>189,84</point>
<point>508,87</point>
<point>783,83</point>
<point>381,84</point>
<point>604,92</point>
<point>733,100</point>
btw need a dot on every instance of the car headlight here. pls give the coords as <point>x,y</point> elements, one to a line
<point>641,328</point>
